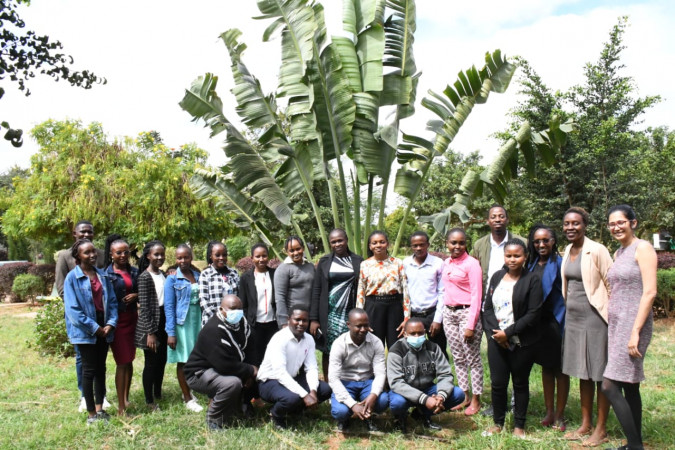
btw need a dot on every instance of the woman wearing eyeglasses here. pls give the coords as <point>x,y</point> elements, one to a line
<point>544,260</point>
<point>632,279</point>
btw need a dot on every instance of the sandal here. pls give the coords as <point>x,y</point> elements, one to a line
<point>491,431</point>
<point>461,406</point>
<point>471,410</point>
<point>546,423</point>
<point>560,425</point>
<point>575,435</point>
<point>590,443</point>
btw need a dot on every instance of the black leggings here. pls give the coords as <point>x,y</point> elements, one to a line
<point>153,371</point>
<point>505,364</point>
<point>93,370</point>
<point>384,317</point>
<point>627,407</point>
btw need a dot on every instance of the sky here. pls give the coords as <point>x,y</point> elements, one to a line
<point>150,51</point>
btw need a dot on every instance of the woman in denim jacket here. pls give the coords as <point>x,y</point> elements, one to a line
<point>124,278</point>
<point>183,317</point>
<point>91,318</point>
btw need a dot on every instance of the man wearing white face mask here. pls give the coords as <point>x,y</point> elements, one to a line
<point>412,366</point>
<point>217,366</point>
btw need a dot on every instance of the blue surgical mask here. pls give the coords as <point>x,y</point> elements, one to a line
<point>234,316</point>
<point>416,341</point>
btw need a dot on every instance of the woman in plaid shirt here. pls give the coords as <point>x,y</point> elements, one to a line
<point>216,280</point>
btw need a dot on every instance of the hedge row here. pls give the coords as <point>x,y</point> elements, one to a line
<point>10,271</point>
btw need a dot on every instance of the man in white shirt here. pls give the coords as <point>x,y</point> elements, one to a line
<point>280,378</point>
<point>424,272</point>
<point>357,373</point>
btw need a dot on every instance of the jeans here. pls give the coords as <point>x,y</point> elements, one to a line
<point>399,405</point>
<point>359,390</point>
<point>78,369</point>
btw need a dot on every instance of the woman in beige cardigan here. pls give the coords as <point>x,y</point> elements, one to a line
<point>585,288</point>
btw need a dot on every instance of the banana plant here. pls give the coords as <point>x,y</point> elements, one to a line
<point>335,92</point>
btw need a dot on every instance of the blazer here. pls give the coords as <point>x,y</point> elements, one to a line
<point>248,294</point>
<point>320,289</point>
<point>595,264</point>
<point>551,285</point>
<point>150,312</point>
<point>527,299</point>
<point>80,312</point>
<point>177,292</point>
<point>121,288</point>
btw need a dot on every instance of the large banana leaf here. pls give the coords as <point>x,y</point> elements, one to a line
<point>202,102</point>
<point>399,36</point>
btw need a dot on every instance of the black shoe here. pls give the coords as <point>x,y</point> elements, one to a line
<point>213,426</point>
<point>371,426</point>
<point>343,426</point>
<point>279,423</point>
<point>400,424</point>
<point>103,416</point>
<point>427,423</point>
<point>487,412</point>
<point>416,414</point>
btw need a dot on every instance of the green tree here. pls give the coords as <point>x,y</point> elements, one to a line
<point>336,91</point>
<point>608,161</point>
<point>25,54</point>
<point>137,188</point>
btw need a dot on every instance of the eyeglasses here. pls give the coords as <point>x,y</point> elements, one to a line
<point>618,223</point>
<point>542,241</point>
<point>457,242</point>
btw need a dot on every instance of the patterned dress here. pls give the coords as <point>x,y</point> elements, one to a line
<point>340,280</point>
<point>625,282</point>
<point>186,334</point>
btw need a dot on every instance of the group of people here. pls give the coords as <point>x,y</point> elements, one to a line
<point>242,340</point>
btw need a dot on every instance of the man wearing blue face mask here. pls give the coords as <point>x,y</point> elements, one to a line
<point>412,366</point>
<point>217,368</point>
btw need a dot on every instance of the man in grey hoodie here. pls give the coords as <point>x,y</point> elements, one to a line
<point>412,366</point>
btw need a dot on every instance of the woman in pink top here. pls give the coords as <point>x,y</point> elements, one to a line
<point>463,284</point>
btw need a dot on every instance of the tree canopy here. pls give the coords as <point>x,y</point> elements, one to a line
<point>24,54</point>
<point>137,188</point>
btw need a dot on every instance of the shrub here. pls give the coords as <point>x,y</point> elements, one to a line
<point>50,330</point>
<point>48,274</point>
<point>169,256</point>
<point>7,274</point>
<point>665,286</point>
<point>246,263</point>
<point>666,260</point>
<point>237,248</point>
<point>26,287</point>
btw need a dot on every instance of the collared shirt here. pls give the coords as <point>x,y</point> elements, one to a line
<point>424,284</point>
<point>496,256</point>
<point>285,356</point>
<point>463,285</point>
<point>263,286</point>
<point>351,362</point>
<point>213,286</point>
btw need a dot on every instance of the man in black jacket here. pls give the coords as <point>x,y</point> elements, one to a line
<point>412,366</point>
<point>216,365</point>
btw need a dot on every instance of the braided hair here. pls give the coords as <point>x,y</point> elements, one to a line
<point>109,241</point>
<point>209,249</point>
<point>75,249</point>
<point>143,262</point>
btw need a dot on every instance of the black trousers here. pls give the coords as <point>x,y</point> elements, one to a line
<point>384,317</point>
<point>515,364</point>
<point>155,362</point>
<point>439,339</point>
<point>93,369</point>
<point>261,335</point>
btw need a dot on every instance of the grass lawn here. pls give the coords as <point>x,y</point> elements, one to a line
<point>38,408</point>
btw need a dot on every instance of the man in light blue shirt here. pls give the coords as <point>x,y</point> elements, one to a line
<point>424,273</point>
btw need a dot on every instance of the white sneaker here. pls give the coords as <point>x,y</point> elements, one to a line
<point>106,404</point>
<point>193,406</point>
<point>83,405</point>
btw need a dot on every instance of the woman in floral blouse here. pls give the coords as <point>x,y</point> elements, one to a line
<point>383,290</point>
